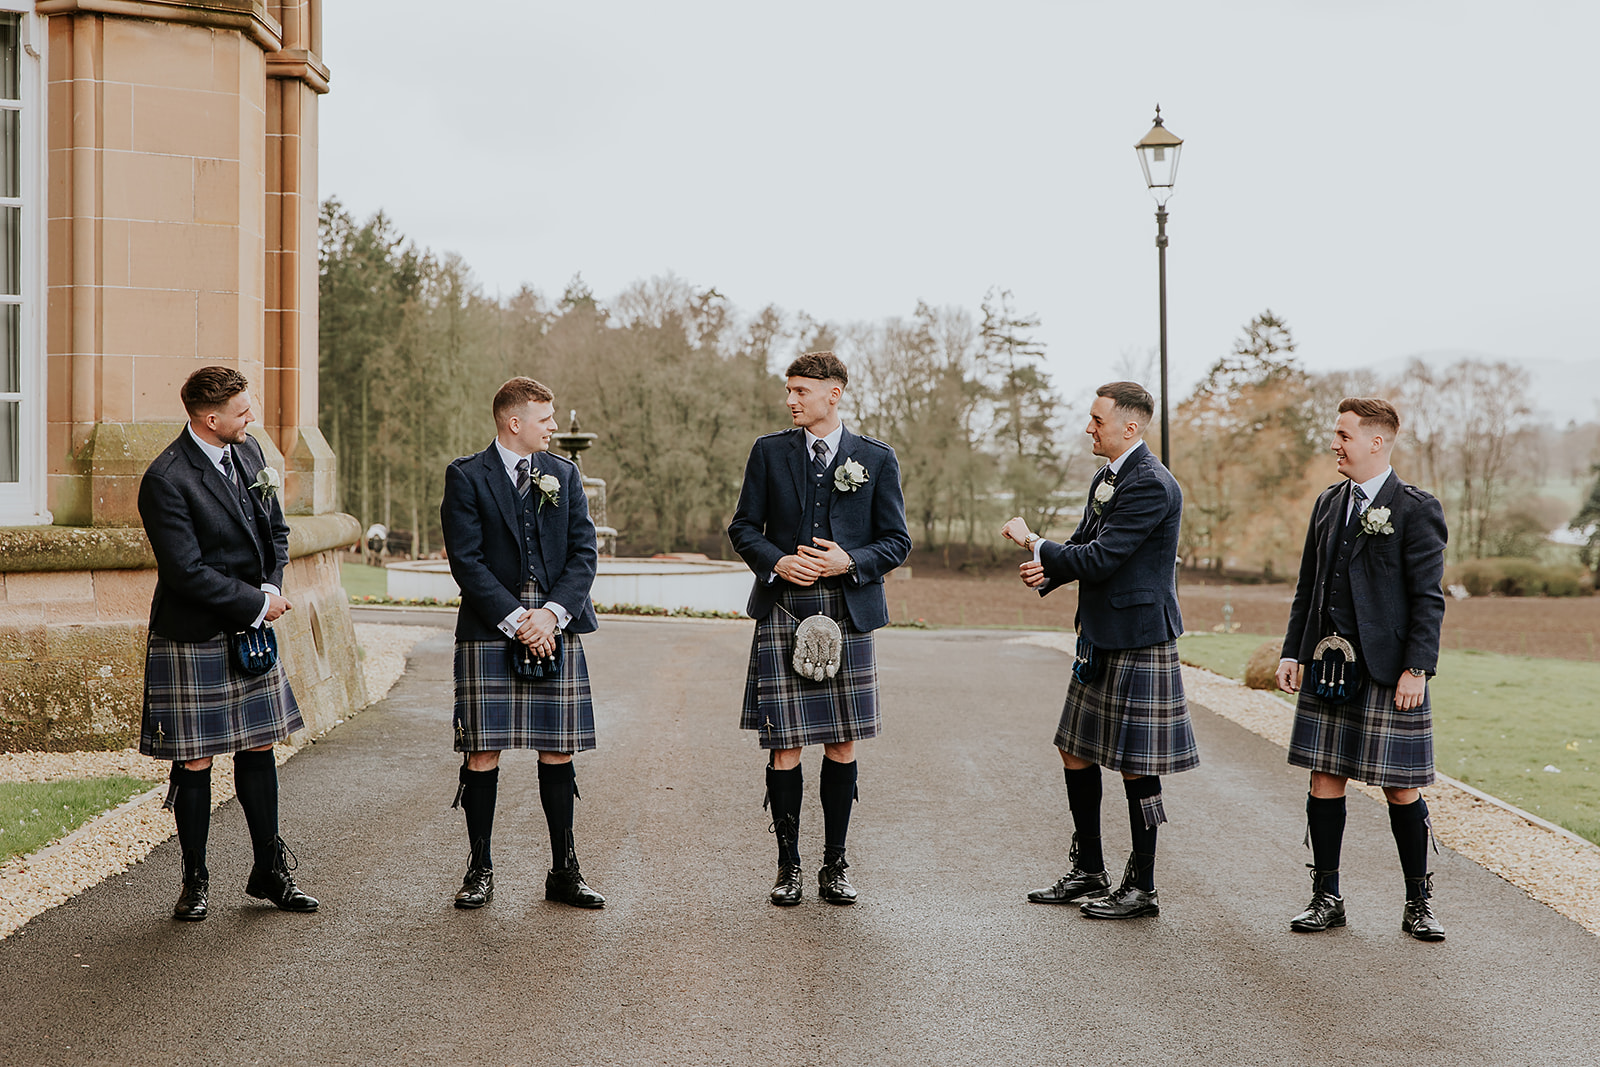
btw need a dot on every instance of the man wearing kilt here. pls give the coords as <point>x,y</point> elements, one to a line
<point>522,549</point>
<point>211,512</point>
<point>1369,581</point>
<point>820,521</point>
<point>1125,706</point>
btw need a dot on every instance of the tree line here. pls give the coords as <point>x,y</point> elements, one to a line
<point>678,384</point>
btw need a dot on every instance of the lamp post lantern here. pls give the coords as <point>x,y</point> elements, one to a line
<point>1158,158</point>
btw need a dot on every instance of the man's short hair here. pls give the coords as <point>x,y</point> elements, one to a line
<point>823,365</point>
<point>210,388</point>
<point>1374,413</point>
<point>1130,397</point>
<point>517,392</point>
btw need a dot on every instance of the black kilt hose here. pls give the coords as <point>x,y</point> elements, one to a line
<point>1134,717</point>
<point>1371,740</point>
<point>791,711</point>
<point>197,703</point>
<point>496,710</point>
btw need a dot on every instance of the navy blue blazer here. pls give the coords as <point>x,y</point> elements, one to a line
<point>1395,580</point>
<point>868,522</point>
<point>211,557</point>
<point>1125,559</point>
<point>482,516</point>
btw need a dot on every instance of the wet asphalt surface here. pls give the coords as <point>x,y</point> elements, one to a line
<point>942,962</point>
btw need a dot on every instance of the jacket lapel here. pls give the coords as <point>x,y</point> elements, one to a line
<point>216,484</point>
<point>493,473</point>
<point>545,520</point>
<point>1383,500</point>
<point>799,463</point>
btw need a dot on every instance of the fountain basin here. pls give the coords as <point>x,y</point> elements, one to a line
<point>698,584</point>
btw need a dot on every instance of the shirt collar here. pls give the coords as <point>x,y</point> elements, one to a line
<point>1372,485</point>
<point>511,459</point>
<point>1117,464</point>
<point>213,452</point>
<point>831,441</point>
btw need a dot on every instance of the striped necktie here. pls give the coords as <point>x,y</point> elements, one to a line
<point>819,451</point>
<point>523,481</point>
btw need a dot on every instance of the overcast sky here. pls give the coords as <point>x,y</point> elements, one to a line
<point>1393,177</point>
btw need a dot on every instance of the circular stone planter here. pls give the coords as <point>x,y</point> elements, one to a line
<point>700,584</point>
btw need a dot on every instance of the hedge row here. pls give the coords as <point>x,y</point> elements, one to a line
<point>1518,577</point>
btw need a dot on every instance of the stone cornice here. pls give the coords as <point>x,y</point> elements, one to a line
<point>121,548</point>
<point>247,16</point>
<point>299,64</point>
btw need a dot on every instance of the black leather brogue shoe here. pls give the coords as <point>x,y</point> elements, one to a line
<point>1127,901</point>
<point>477,888</point>
<point>191,905</point>
<point>1077,887</point>
<point>1326,909</point>
<point>276,884</point>
<point>787,890</point>
<point>1418,919</point>
<point>832,884</point>
<point>565,885</point>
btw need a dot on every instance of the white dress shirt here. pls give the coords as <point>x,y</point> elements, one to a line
<point>215,453</point>
<point>1370,487</point>
<point>509,624</point>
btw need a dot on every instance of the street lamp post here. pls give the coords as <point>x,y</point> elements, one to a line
<point>1158,157</point>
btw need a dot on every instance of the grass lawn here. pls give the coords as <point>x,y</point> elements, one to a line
<point>359,579</point>
<point>33,814</point>
<point>1526,730</point>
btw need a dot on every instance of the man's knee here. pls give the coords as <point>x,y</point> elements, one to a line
<point>554,757</point>
<point>785,759</point>
<point>483,761</point>
<point>842,752</point>
<point>1074,763</point>
<point>1401,797</point>
<point>1327,786</point>
<point>201,764</point>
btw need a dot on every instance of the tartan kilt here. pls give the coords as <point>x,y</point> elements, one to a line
<point>1134,717</point>
<point>496,710</point>
<point>197,703</point>
<point>1372,742</point>
<point>791,711</point>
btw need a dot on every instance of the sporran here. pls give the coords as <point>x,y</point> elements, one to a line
<point>1337,676</point>
<point>818,645</point>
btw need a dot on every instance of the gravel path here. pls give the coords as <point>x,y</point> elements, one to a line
<point>113,842</point>
<point>1548,863</point>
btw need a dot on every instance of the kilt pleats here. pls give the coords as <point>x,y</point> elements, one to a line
<point>791,711</point>
<point>197,703</point>
<point>1372,742</point>
<point>1134,717</point>
<point>496,710</point>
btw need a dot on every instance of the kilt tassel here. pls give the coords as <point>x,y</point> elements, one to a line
<point>461,790</point>
<point>172,790</point>
<point>1154,813</point>
<point>1427,820</point>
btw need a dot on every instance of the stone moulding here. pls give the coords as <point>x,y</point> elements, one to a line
<point>247,16</point>
<point>114,548</point>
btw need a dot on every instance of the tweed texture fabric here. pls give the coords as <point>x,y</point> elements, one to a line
<point>197,703</point>
<point>496,710</point>
<point>1372,742</point>
<point>1134,717</point>
<point>791,711</point>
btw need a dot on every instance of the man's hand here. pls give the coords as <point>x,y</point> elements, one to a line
<point>1032,574</point>
<point>276,606</point>
<point>1289,675</point>
<point>1016,530</point>
<point>829,559</point>
<point>798,570</point>
<point>1409,693</point>
<point>537,630</point>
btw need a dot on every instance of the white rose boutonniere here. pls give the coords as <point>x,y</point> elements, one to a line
<point>849,476</point>
<point>267,483</point>
<point>1104,492</point>
<point>1375,521</point>
<point>549,487</point>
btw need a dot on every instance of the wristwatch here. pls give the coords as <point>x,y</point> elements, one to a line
<point>850,568</point>
<point>1031,540</point>
<point>1416,672</point>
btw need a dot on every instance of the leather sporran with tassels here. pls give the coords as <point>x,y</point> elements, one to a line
<point>1337,676</point>
<point>1087,665</point>
<point>531,667</point>
<point>255,651</point>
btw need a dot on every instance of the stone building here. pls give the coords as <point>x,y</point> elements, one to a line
<point>158,212</point>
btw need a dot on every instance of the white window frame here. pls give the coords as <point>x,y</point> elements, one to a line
<point>23,502</point>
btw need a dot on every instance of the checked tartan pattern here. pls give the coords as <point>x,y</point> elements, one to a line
<point>791,711</point>
<point>1134,717</point>
<point>197,703</point>
<point>496,710</point>
<point>1372,742</point>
